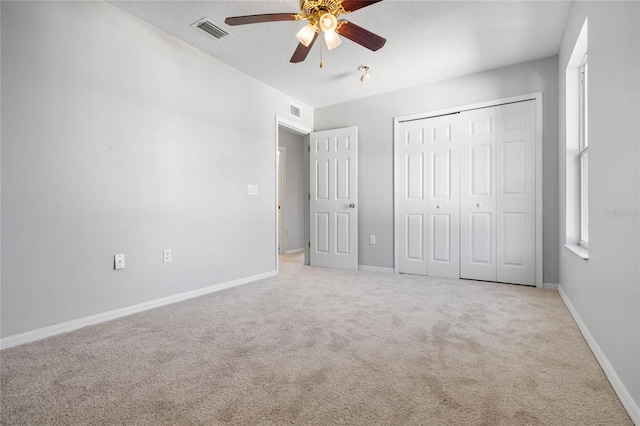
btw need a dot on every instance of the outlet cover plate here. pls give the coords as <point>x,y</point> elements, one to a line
<point>118,260</point>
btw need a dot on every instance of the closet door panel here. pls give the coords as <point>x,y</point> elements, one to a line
<point>516,233</point>
<point>480,238</point>
<point>443,195</point>
<point>412,229</point>
<point>478,194</point>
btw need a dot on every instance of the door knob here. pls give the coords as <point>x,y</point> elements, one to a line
<point>353,206</point>
<point>438,206</point>
<point>478,205</point>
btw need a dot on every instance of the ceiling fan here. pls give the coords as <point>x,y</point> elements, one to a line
<point>322,15</point>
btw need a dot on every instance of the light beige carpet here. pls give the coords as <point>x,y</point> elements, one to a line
<point>317,346</point>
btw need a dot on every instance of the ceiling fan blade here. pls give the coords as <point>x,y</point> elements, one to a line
<point>361,36</point>
<point>301,51</point>
<point>256,19</point>
<point>351,5</point>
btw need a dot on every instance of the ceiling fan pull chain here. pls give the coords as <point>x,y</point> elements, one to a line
<point>321,55</point>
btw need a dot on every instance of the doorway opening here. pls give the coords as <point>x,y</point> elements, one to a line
<point>292,192</point>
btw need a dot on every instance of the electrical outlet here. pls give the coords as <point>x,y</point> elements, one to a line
<point>372,239</point>
<point>118,261</point>
<point>166,255</point>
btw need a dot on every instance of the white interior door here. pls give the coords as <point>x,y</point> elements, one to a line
<point>478,194</point>
<point>333,159</point>
<point>516,208</point>
<point>429,197</point>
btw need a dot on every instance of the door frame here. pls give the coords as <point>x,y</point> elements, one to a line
<point>537,96</point>
<point>303,131</point>
<point>282,191</point>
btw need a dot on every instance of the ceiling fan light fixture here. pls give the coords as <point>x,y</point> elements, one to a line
<point>320,15</point>
<point>332,40</point>
<point>328,22</point>
<point>306,34</point>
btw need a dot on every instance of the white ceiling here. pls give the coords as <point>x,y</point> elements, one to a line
<point>426,41</point>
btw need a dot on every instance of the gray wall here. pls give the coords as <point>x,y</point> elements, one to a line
<point>295,188</point>
<point>118,138</point>
<point>605,290</point>
<point>374,118</point>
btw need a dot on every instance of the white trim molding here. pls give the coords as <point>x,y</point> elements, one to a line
<point>625,397</point>
<point>298,250</point>
<point>281,202</point>
<point>550,286</point>
<point>53,330</point>
<point>375,269</point>
<point>578,250</point>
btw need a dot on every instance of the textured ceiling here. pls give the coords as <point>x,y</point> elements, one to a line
<point>426,41</point>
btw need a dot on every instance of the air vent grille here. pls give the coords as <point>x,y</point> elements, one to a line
<point>295,111</point>
<point>211,28</point>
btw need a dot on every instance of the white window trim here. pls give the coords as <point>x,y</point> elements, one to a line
<point>578,250</point>
<point>584,153</point>
<point>584,198</point>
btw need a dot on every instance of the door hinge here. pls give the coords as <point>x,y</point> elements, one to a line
<point>309,196</point>
<point>309,148</point>
<point>309,244</point>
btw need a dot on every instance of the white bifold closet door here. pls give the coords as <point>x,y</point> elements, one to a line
<point>516,204</point>
<point>478,200</point>
<point>429,197</point>
<point>467,194</point>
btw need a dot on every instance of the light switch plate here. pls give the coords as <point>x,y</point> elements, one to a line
<point>372,239</point>
<point>252,189</point>
<point>118,261</point>
<point>166,255</point>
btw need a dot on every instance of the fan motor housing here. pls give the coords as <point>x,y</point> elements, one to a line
<point>310,8</point>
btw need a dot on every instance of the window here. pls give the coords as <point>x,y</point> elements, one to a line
<point>584,153</point>
<point>577,148</point>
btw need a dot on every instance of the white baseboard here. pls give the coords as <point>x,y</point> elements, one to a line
<point>625,397</point>
<point>41,333</point>
<point>375,269</point>
<point>298,250</point>
<point>550,286</point>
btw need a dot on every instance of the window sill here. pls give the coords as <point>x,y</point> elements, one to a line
<point>579,251</point>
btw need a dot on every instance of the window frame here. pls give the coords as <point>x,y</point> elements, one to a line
<point>583,155</point>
